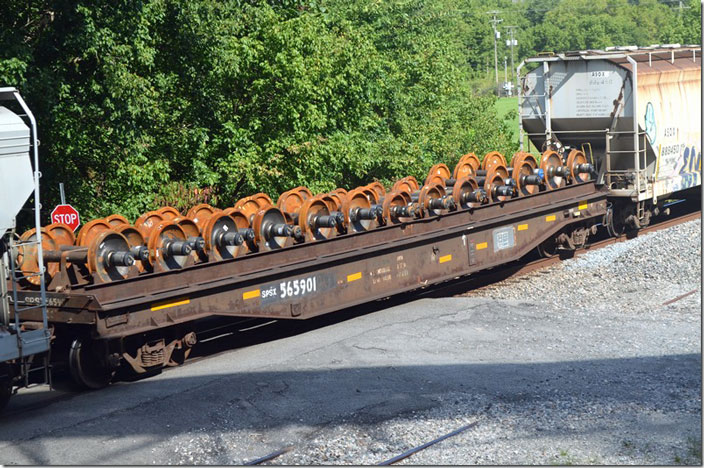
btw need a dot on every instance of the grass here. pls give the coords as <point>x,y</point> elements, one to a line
<point>504,106</point>
<point>564,458</point>
<point>507,110</point>
<point>694,453</point>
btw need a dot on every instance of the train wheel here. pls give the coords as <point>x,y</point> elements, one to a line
<point>329,201</point>
<point>430,198</point>
<point>524,166</point>
<point>292,200</point>
<point>579,169</point>
<point>378,188</point>
<point>467,194</point>
<point>106,260</point>
<point>200,214</point>
<point>338,195</point>
<point>468,165</point>
<point>615,219</point>
<point>463,169</point>
<point>115,220</point>
<point>438,174</point>
<point>553,171</point>
<point>370,193</point>
<point>548,248</point>
<point>137,247</point>
<point>271,231</point>
<point>355,203</point>
<point>393,208</point>
<point>494,183</point>
<point>168,212</point>
<point>168,247</point>
<point>147,222</point>
<point>28,257</point>
<point>310,217</point>
<point>493,158</point>
<point>86,368</point>
<point>253,204</point>
<point>407,183</point>
<point>90,230</point>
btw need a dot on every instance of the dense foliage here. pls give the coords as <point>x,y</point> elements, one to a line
<point>144,101</point>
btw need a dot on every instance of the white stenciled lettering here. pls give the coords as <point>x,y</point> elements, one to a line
<point>297,287</point>
<point>270,292</point>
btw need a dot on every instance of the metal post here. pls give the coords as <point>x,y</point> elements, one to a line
<point>608,158</point>
<point>547,96</point>
<point>4,296</point>
<point>494,22</point>
<point>520,104</point>
<point>496,64</point>
<point>63,195</point>
<point>37,206</point>
<point>634,99</point>
<point>514,73</point>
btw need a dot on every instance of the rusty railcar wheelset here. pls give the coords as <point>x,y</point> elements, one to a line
<point>111,249</point>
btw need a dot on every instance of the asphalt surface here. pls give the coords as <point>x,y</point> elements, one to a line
<point>613,376</point>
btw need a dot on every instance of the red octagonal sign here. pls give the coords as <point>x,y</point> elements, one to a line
<point>66,214</point>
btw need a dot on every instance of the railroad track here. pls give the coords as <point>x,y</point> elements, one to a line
<point>390,461</point>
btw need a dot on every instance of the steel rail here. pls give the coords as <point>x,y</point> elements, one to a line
<point>270,456</point>
<point>682,296</point>
<point>417,449</point>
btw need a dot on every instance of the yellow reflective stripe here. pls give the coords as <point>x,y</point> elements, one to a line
<point>522,227</point>
<point>481,246</point>
<point>354,276</point>
<point>550,218</point>
<point>583,206</point>
<point>251,294</point>
<point>167,304</point>
<point>445,258</point>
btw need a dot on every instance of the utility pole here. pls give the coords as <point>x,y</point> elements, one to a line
<point>494,21</point>
<point>512,42</point>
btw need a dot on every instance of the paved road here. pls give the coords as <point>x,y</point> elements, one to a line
<point>500,362</point>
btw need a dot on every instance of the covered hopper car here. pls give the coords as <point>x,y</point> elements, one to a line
<point>635,111</point>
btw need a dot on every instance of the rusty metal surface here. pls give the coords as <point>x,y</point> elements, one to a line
<point>310,279</point>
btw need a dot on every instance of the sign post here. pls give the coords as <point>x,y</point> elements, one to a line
<point>66,214</point>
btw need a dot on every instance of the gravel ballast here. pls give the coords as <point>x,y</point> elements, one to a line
<point>619,386</point>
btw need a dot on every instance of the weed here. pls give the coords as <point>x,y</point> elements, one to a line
<point>694,453</point>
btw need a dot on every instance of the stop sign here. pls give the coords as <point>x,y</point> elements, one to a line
<point>66,214</point>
